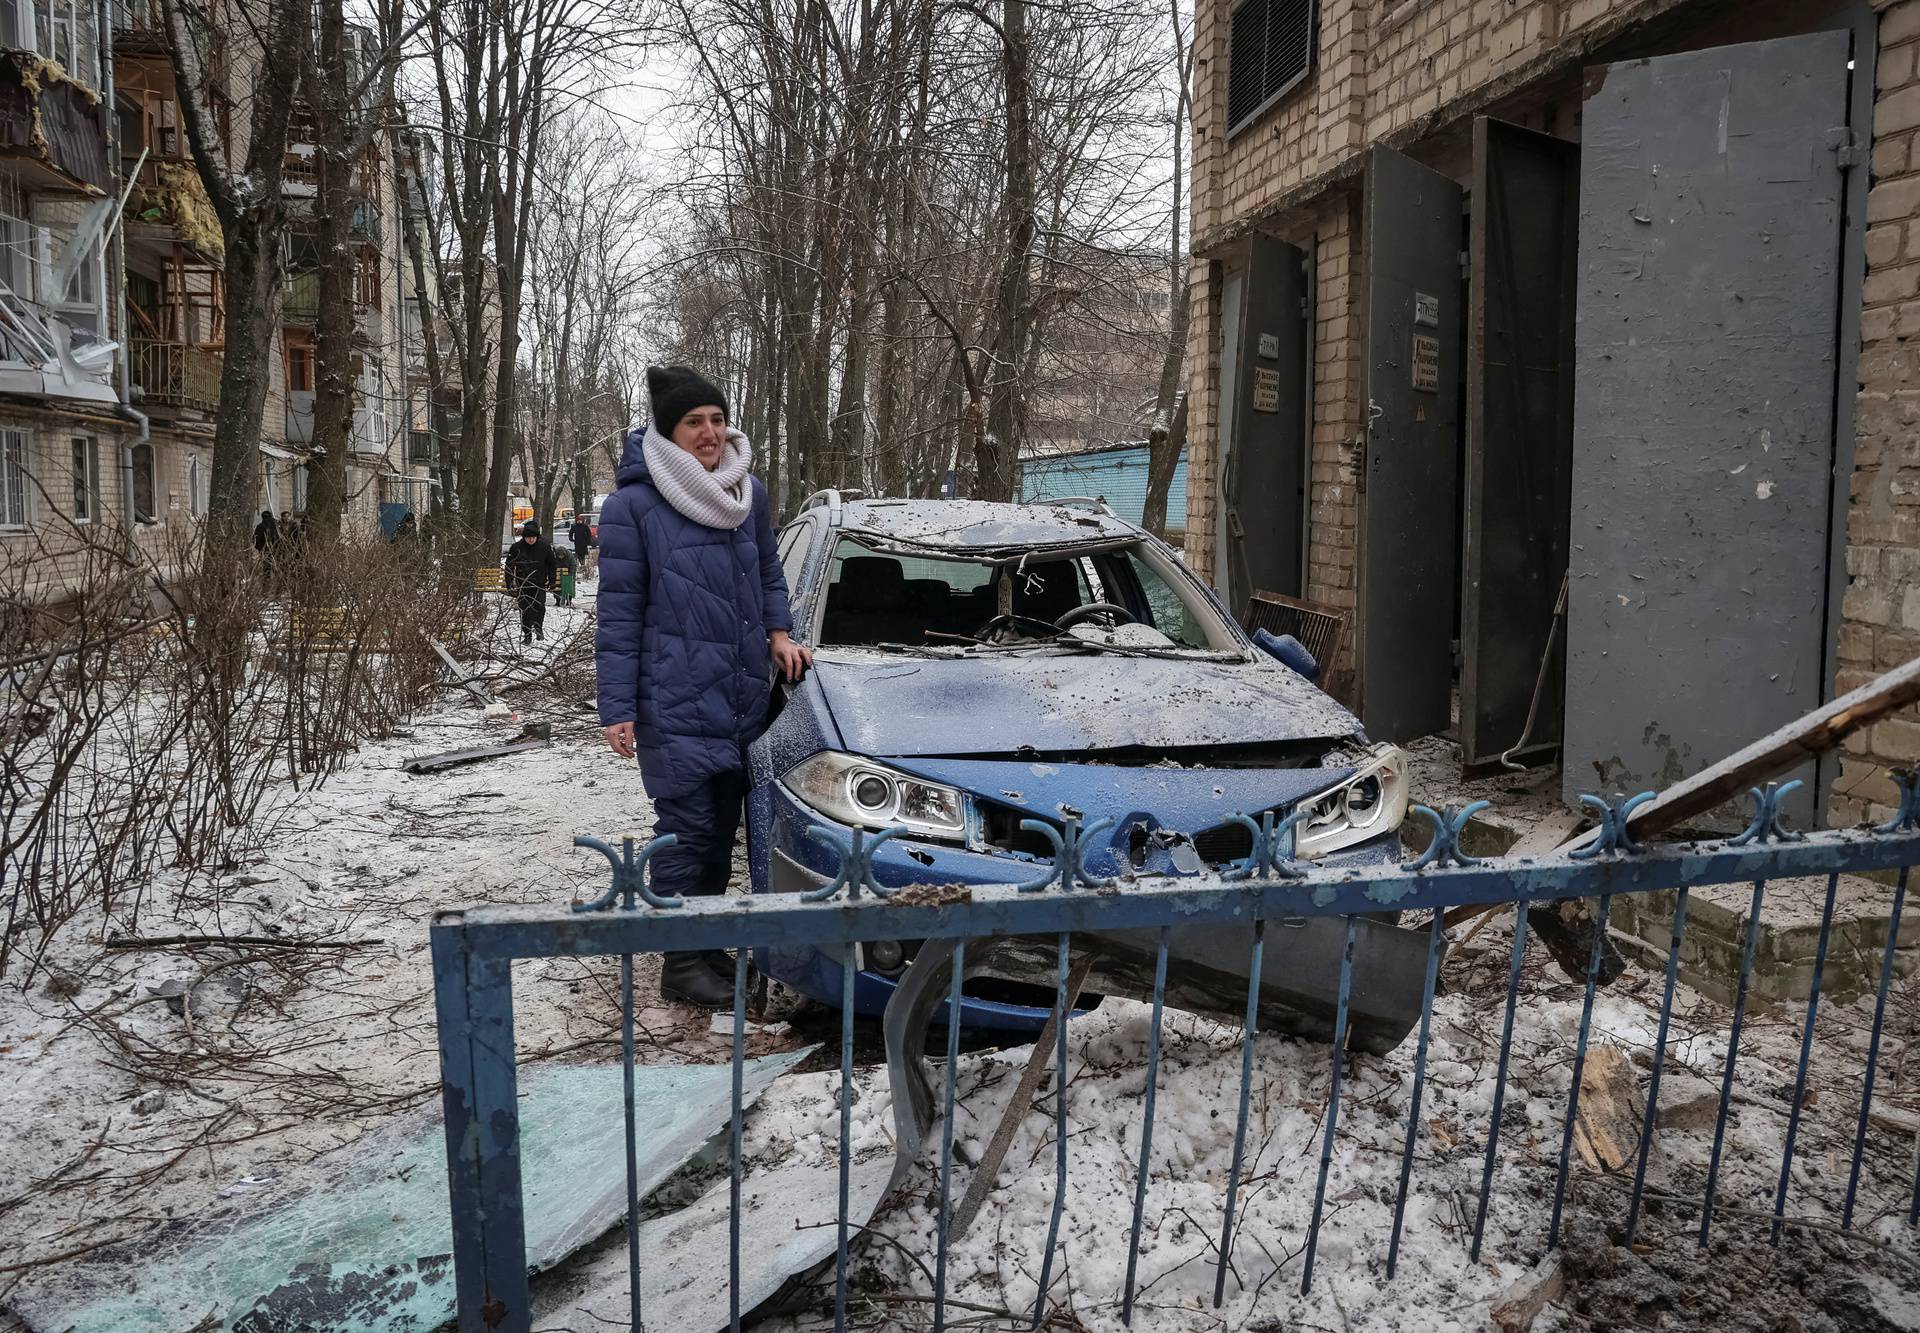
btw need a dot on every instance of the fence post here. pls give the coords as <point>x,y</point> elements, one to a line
<point>473,1003</point>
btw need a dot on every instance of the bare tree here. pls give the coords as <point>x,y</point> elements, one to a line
<point>502,70</point>
<point>883,262</point>
<point>262,44</point>
<point>571,403</point>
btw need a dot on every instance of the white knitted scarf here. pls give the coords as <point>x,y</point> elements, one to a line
<point>721,498</point>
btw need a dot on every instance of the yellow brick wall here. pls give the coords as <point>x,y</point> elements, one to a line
<point>1398,68</point>
<point>48,558</point>
<point>1882,604</point>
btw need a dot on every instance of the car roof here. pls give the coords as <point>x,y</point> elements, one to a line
<point>984,525</point>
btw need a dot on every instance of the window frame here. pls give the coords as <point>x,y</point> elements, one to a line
<point>152,469</point>
<point>16,457</point>
<point>299,353</point>
<point>1274,98</point>
<point>198,500</point>
<point>84,454</point>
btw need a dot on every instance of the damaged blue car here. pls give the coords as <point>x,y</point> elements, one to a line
<point>977,665</point>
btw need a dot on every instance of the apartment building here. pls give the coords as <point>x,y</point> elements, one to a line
<point>71,455</point>
<point>1569,346</point>
<point>112,328</point>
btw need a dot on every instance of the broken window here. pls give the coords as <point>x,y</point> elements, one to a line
<point>875,597</point>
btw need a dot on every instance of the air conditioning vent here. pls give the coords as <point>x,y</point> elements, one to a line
<point>1270,52</point>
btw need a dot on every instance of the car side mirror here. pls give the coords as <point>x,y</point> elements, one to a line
<point>1289,652</point>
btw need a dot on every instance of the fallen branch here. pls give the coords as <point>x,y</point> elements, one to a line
<point>214,941</point>
<point>64,1255</point>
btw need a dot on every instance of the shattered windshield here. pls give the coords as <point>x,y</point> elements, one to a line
<point>1124,597</point>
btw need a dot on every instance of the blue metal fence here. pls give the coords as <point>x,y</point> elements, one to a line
<point>473,952</point>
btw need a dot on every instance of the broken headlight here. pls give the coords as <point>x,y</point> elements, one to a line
<point>1371,802</point>
<point>859,792</point>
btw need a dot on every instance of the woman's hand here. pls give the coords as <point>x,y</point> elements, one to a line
<point>790,659</point>
<point>620,739</point>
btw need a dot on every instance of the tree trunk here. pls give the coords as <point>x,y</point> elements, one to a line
<point>1163,459</point>
<point>1168,434</point>
<point>253,278</point>
<point>997,448</point>
<point>849,428</point>
<point>325,90</point>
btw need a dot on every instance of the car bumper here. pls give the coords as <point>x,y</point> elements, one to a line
<point>795,863</point>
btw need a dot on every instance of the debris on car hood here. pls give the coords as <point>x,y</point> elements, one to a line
<point>1051,704</point>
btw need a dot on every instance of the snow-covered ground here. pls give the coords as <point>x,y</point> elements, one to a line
<point>126,1105</point>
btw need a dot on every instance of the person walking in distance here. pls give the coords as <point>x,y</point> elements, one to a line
<point>693,623</point>
<point>529,571</point>
<point>581,535</point>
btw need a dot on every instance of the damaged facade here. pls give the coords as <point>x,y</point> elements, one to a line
<point>1492,293</point>
<point>116,426</point>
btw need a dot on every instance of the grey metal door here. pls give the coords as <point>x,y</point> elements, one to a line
<point>1266,472</point>
<point>1523,239</point>
<point>1710,238</point>
<point>1409,484</point>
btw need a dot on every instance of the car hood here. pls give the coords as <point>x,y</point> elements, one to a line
<point>904,706</point>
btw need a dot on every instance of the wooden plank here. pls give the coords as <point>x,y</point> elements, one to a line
<point>1778,752</point>
<point>988,1171</point>
<point>1774,754</point>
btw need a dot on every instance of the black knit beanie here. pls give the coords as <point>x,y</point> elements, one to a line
<point>530,529</point>
<point>676,391</point>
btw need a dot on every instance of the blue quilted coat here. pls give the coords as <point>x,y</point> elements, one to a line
<point>684,613</point>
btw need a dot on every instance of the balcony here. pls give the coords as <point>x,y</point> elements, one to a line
<point>364,225</point>
<point>371,433</point>
<point>139,26</point>
<point>176,375</point>
<point>53,125</point>
<point>301,303</point>
<point>167,193</point>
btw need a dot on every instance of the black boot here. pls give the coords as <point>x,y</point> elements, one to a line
<point>722,964</point>
<point>690,979</point>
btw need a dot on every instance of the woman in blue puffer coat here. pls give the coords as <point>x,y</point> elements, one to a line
<point>693,621</point>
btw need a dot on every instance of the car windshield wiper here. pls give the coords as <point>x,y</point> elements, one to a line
<point>908,649</point>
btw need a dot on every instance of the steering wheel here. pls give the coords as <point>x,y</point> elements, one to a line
<point>1031,626</point>
<point>1116,615</point>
